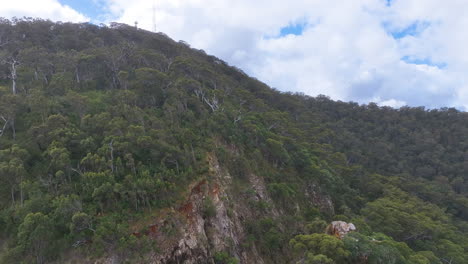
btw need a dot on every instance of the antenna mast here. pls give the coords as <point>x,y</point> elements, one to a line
<point>154,15</point>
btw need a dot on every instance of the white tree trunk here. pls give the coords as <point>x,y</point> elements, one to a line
<point>2,130</point>
<point>13,64</point>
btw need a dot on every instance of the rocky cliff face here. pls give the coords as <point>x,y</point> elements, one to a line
<point>213,219</point>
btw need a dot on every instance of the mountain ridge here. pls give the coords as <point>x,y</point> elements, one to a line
<point>121,145</point>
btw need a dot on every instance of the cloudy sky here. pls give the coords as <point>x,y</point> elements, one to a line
<point>392,52</point>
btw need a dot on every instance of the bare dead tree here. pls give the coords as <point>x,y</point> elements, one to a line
<point>5,124</point>
<point>13,64</point>
<point>213,103</point>
<point>200,94</point>
<point>448,261</point>
<point>117,57</point>
<point>239,112</point>
<point>169,64</point>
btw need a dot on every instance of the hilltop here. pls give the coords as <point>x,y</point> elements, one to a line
<point>121,145</point>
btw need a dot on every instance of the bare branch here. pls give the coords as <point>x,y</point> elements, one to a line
<point>212,103</point>
<point>77,171</point>
<point>4,125</point>
<point>272,126</point>
<point>237,119</point>
<point>3,43</point>
<point>419,236</point>
<point>447,261</point>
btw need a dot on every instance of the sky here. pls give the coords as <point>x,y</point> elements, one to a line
<point>391,52</point>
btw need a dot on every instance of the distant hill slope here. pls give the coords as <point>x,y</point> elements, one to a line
<point>118,145</point>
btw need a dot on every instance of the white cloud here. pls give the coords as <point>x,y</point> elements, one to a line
<point>391,102</point>
<point>46,9</point>
<point>346,51</point>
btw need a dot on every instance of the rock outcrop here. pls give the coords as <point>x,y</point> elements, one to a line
<point>320,199</point>
<point>213,218</point>
<point>202,234</point>
<point>340,229</point>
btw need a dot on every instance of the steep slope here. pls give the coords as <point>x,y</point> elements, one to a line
<point>120,145</point>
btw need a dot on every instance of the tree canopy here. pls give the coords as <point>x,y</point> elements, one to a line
<point>101,127</point>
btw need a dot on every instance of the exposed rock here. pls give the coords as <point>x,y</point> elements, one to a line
<point>261,194</point>
<point>201,236</point>
<point>319,199</point>
<point>340,229</point>
<point>195,236</point>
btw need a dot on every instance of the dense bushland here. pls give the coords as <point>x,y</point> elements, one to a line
<point>102,126</point>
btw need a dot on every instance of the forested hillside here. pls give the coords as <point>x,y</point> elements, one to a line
<point>119,145</point>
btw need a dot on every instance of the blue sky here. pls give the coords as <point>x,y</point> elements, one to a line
<point>293,29</point>
<point>414,29</point>
<point>392,52</point>
<point>91,8</point>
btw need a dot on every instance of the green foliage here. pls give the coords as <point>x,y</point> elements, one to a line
<point>317,259</point>
<point>282,192</point>
<point>316,226</point>
<point>267,235</point>
<point>320,248</point>
<point>408,219</point>
<point>209,209</point>
<point>36,237</point>
<point>223,257</point>
<point>111,125</point>
<point>377,248</point>
<point>277,152</point>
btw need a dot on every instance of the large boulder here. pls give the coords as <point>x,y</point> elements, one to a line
<point>340,228</point>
